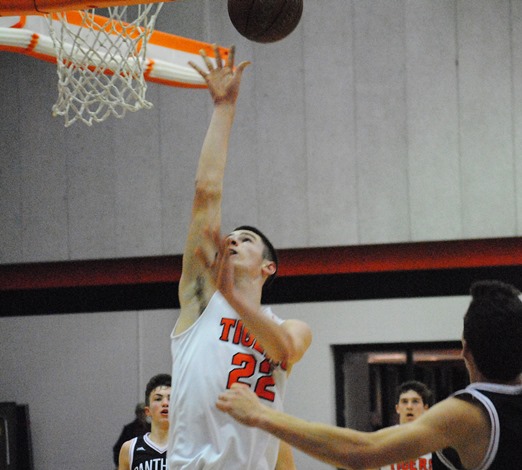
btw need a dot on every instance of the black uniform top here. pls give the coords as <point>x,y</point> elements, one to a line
<point>136,428</point>
<point>503,404</point>
<point>146,455</point>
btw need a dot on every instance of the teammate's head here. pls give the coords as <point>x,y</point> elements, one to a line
<point>160,380</point>
<point>157,399</point>
<point>269,252</point>
<point>139,411</point>
<point>413,399</point>
<point>422,390</point>
<point>493,330</point>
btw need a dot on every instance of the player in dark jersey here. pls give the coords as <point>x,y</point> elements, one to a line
<point>150,450</point>
<point>138,427</point>
<point>477,428</point>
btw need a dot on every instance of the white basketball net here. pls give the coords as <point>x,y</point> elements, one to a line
<point>101,64</point>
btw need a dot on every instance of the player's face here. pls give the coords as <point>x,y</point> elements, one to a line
<point>410,406</point>
<point>158,409</point>
<point>246,249</point>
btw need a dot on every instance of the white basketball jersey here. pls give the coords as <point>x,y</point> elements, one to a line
<point>211,355</point>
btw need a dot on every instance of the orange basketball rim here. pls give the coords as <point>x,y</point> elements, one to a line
<point>24,29</point>
<point>31,7</point>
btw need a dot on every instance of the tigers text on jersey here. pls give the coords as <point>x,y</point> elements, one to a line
<point>422,463</point>
<point>207,358</point>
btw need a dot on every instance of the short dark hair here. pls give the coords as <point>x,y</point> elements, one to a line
<point>419,387</point>
<point>269,253</point>
<point>493,329</point>
<point>159,380</point>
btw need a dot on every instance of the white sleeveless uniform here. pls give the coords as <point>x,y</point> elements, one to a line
<point>208,358</point>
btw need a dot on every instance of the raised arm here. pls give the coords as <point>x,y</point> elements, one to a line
<point>286,342</point>
<point>451,423</point>
<point>223,82</point>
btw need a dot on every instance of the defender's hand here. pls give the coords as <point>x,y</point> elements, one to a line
<point>241,403</point>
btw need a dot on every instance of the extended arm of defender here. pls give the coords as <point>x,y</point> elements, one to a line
<point>450,423</point>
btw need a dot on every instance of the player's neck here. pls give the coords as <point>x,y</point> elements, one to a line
<point>249,288</point>
<point>478,377</point>
<point>517,381</point>
<point>159,435</point>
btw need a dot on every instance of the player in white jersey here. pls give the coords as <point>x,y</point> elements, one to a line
<point>413,399</point>
<point>216,342</point>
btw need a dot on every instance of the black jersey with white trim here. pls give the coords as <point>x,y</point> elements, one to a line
<point>146,455</point>
<point>503,404</point>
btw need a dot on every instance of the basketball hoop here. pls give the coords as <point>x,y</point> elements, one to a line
<point>101,61</point>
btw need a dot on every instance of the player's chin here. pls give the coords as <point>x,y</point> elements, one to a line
<point>235,260</point>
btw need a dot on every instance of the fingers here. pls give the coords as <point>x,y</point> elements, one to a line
<point>239,386</point>
<point>221,406</point>
<point>226,398</point>
<point>218,239</point>
<point>231,56</point>
<point>209,254</point>
<point>197,69</point>
<point>217,55</point>
<point>207,61</point>
<point>219,62</point>
<point>242,66</point>
<point>233,390</point>
<point>231,59</point>
<point>204,258</point>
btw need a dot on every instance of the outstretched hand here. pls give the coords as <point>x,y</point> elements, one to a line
<point>241,403</point>
<point>223,80</point>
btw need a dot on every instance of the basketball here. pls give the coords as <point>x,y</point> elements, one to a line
<point>265,20</point>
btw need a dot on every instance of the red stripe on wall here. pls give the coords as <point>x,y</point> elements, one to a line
<point>105,272</point>
<point>402,257</point>
<point>293,262</point>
